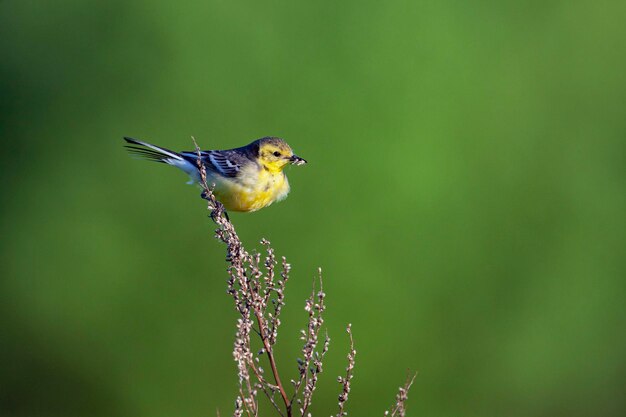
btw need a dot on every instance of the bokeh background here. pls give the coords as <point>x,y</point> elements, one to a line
<point>465,197</point>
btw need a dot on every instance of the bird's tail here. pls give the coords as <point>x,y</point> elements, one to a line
<point>151,152</point>
<point>155,153</point>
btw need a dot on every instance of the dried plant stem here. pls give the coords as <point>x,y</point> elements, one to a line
<point>399,408</point>
<point>345,380</point>
<point>266,387</point>
<point>310,366</point>
<point>270,356</point>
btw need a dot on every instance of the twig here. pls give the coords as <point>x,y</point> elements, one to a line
<point>345,381</point>
<point>270,356</point>
<point>399,408</point>
<point>310,366</point>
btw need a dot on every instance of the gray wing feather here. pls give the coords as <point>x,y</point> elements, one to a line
<point>227,163</point>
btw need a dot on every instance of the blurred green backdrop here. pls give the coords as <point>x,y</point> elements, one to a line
<point>465,196</point>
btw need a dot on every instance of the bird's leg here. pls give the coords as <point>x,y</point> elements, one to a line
<point>218,211</point>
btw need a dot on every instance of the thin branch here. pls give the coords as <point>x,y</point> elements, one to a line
<point>310,366</point>
<point>345,381</point>
<point>264,385</point>
<point>270,356</point>
<point>399,408</point>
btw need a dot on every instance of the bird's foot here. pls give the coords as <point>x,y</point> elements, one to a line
<point>218,212</point>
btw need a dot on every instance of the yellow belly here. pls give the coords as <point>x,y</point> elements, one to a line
<point>251,194</point>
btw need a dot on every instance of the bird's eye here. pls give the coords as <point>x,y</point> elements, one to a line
<point>276,153</point>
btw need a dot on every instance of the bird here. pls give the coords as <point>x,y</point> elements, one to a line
<point>245,179</point>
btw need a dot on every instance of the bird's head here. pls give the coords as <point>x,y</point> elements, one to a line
<point>274,154</point>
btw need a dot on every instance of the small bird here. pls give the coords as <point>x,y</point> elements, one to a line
<point>246,179</point>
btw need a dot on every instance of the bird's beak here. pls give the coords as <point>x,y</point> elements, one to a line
<point>296,160</point>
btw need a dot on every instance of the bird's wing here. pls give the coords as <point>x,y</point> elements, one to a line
<point>228,163</point>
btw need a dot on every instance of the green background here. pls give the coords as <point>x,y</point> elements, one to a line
<point>465,196</point>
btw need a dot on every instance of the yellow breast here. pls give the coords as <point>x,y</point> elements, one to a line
<point>251,190</point>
